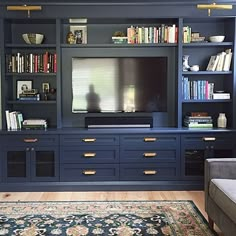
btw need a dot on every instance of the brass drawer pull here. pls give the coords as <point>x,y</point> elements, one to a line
<point>89,172</point>
<point>150,172</point>
<point>148,139</point>
<point>30,140</point>
<point>207,139</point>
<point>89,154</point>
<point>149,154</point>
<point>89,140</point>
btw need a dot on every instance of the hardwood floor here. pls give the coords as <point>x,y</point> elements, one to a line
<point>196,196</point>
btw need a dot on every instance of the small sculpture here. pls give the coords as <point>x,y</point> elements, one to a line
<point>70,38</point>
<point>186,66</point>
<point>118,34</point>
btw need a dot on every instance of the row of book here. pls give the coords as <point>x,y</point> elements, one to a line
<point>15,121</point>
<point>153,34</point>
<point>31,63</point>
<point>200,90</point>
<point>198,122</point>
<point>220,62</point>
<point>197,89</point>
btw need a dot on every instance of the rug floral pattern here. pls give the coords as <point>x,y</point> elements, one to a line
<point>112,218</point>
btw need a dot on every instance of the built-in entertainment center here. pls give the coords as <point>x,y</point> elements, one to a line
<point>115,111</point>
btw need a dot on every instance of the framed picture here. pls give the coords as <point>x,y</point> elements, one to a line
<point>21,86</point>
<point>80,33</point>
<point>45,87</point>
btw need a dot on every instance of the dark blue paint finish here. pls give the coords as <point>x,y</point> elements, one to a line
<point>119,160</point>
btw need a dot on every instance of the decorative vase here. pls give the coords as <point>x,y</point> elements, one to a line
<point>186,66</point>
<point>221,121</point>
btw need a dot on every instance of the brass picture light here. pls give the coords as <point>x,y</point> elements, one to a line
<point>214,6</point>
<point>24,8</point>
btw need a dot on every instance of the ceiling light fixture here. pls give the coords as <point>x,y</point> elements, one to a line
<point>24,8</point>
<point>214,6</point>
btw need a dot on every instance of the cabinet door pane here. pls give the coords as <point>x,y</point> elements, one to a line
<point>223,153</point>
<point>194,162</point>
<point>16,164</point>
<point>45,164</point>
<point>195,158</point>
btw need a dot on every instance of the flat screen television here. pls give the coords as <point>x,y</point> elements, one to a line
<point>121,84</point>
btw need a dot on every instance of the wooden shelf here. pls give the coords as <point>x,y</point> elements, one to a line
<point>206,72</point>
<point>118,45</point>
<point>207,44</point>
<point>31,74</point>
<point>31,46</point>
<point>32,102</point>
<point>207,101</point>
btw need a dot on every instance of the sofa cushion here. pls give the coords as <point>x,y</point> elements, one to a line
<point>223,192</point>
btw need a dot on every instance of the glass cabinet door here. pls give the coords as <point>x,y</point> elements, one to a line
<point>31,164</point>
<point>44,164</point>
<point>194,159</point>
<point>194,162</point>
<point>16,166</point>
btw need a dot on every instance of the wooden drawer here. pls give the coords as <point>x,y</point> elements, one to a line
<point>147,155</point>
<point>148,172</point>
<point>90,154</point>
<point>89,172</point>
<point>215,141</point>
<point>75,140</point>
<point>29,140</point>
<point>149,140</point>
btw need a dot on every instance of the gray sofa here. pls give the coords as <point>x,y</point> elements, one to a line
<point>220,194</point>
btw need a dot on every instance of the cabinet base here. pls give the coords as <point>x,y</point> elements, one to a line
<point>102,186</point>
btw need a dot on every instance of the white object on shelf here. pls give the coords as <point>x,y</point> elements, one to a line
<point>221,95</point>
<point>221,121</point>
<point>194,68</point>
<point>217,38</point>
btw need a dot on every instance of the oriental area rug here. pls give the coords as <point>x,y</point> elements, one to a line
<point>123,218</point>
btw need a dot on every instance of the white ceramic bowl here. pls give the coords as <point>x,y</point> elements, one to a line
<point>194,68</point>
<point>33,38</point>
<point>217,38</point>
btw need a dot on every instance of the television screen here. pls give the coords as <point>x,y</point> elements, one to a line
<point>137,84</point>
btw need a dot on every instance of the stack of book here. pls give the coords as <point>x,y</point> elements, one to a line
<point>29,95</point>
<point>221,95</point>
<point>198,122</point>
<point>34,124</point>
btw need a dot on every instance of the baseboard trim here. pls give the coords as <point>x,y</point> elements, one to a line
<point>102,186</point>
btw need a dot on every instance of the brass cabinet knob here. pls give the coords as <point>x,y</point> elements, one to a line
<point>149,172</point>
<point>89,154</point>
<point>89,172</point>
<point>208,139</point>
<point>89,140</point>
<point>30,140</point>
<point>149,139</point>
<point>149,154</point>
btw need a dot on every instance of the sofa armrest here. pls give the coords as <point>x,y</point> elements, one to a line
<point>218,168</point>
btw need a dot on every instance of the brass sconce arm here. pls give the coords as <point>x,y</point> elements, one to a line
<point>24,8</point>
<point>214,6</point>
